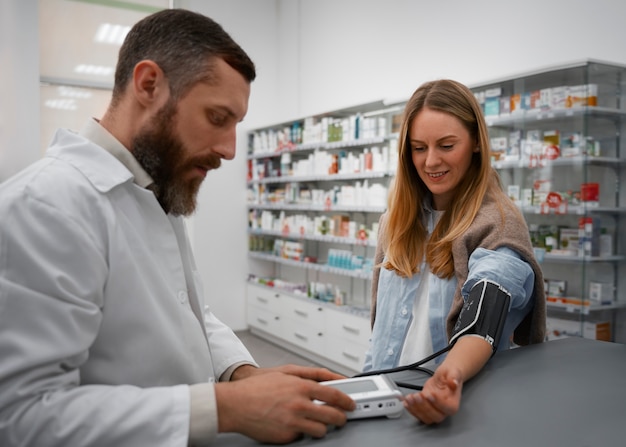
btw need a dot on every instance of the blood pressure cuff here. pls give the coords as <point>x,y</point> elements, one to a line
<point>483,313</point>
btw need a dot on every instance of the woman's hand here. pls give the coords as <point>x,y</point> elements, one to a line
<point>440,398</point>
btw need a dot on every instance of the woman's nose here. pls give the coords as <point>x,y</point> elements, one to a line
<point>432,158</point>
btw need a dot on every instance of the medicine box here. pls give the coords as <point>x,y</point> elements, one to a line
<point>601,292</point>
<point>555,287</point>
<point>589,236</point>
<point>560,328</point>
<point>569,240</point>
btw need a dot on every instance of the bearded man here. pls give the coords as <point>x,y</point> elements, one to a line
<point>104,336</point>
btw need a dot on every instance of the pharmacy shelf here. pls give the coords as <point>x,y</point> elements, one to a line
<point>311,266</point>
<point>323,177</point>
<point>582,259</point>
<point>352,310</point>
<point>525,116</point>
<point>315,237</point>
<point>563,161</point>
<point>308,147</point>
<point>585,308</point>
<point>317,207</point>
<point>578,210</point>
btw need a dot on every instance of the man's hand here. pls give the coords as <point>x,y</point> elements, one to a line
<point>306,372</point>
<point>276,405</point>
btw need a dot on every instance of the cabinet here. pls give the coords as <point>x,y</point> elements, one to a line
<point>556,139</point>
<point>334,336</point>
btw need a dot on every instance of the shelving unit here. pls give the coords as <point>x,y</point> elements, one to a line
<point>557,144</point>
<point>314,205</point>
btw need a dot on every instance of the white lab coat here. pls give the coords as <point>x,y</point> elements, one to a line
<point>101,309</point>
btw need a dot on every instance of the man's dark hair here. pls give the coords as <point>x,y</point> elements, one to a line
<point>184,44</point>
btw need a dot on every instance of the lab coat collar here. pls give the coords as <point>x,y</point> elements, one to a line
<point>100,167</point>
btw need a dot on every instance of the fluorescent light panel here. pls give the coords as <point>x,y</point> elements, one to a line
<point>111,34</point>
<point>61,104</point>
<point>73,92</point>
<point>95,70</point>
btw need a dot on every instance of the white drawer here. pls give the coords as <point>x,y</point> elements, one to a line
<point>265,320</point>
<point>264,298</point>
<point>346,353</point>
<point>304,313</point>
<point>346,326</point>
<point>305,336</point>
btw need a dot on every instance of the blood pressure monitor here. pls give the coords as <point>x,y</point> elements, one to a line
<point>374,396</point>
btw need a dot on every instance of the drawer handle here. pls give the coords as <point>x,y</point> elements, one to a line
<point>263,300</point>
<point>300,336</point>
<point>261,320</point>
<point>351,329</point>
<point>301,313</point>
<point>350,356</point>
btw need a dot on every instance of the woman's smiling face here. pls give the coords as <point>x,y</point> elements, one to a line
<point>442,150</point>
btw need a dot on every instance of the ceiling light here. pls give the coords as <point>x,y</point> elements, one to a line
<point>96,70</point>
<point>61,104</point>
<point>111,34</point>
<point>73,92</point>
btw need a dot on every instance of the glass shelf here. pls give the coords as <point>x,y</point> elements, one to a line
<point>526,116</point>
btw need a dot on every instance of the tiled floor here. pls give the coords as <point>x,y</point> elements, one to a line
<point>268,354</point>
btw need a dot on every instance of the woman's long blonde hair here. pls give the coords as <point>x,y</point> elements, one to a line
<point>406,239</point>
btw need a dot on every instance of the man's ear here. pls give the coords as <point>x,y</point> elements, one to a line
<point>149,83</point>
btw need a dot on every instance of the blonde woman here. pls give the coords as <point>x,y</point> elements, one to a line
<point>448,226</point>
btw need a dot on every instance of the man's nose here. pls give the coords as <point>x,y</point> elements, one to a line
<point>227,146</point>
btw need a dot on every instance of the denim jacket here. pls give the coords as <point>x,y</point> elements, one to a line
<point>395,295</point>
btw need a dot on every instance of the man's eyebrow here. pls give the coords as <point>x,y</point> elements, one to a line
<point>225,109</point>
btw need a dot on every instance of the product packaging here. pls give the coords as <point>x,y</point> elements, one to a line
<point>589,236</point>
<point>560,327</point>
<point>600,292</point>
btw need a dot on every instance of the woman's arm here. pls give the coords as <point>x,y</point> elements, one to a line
<point>441,396</point>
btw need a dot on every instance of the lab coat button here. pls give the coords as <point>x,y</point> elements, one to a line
<point>390,351</point>
<point>404,311</point>
<point>182,296</point>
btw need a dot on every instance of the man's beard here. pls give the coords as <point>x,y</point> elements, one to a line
<point>162,155</point>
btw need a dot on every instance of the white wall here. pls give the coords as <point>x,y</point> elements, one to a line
<point>220,224</point>
<point>319,55</point>
<point>353,51</point>
<point>19,86</point>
